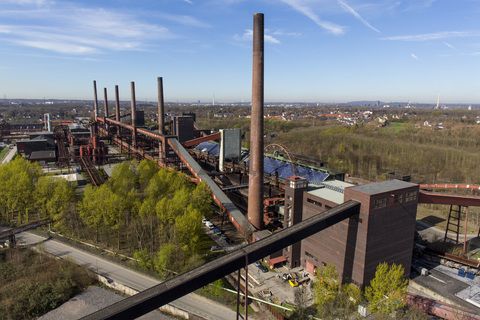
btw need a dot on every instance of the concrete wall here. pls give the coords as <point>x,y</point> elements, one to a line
<point>130,292</point>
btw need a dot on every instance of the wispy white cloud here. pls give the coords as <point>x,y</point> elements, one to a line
<point>184,20</point>
<point>284,33</point>
<point>28,2</point>
<point>434,36</point>
<point>414,56</point>
<point>188,1</point>
<point>248,36</point>
<point>301,7</point>
<point>77,30</point>
<point>448,44</point>
<point>345,6</point>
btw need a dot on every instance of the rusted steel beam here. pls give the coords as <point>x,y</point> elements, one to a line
<point>194,142</point>
<point>448,199</point>
<point>450,186</point>
<point>190,281</point>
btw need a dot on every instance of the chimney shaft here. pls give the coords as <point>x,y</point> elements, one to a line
<point>95,100</point>
<point>105,101</point>
<point>133,115</point>
<point>161,107</point>
<point>117,104</point>
<point>255,174</point>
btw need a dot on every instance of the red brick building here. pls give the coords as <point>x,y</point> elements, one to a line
<point>383,232</point>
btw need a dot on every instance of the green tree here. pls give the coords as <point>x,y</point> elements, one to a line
<point>201,199</point>
<point>146,170</point>
<point>327,286</point>
<point>188,228</point>
<point>165,259</point>
<point>387,290</point>
<point>90,209</point>
<point>60,201</point>
<point>17,184</point>
<point>144,260</point>
<point>351,296</point>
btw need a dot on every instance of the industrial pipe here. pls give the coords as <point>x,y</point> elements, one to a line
<point>117,104</point>
<point>95,100</point>
<point>105,101</point>
<point>161,107</point>
<point>255,175</point>
<point>133,114</point>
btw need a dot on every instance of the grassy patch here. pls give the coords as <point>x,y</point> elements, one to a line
<point>32,284</point>
<point>3,153</point>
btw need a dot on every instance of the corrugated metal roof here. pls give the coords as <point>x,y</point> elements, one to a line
<point>273,166</point>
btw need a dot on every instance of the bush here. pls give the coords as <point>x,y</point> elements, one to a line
<point>37,284</point>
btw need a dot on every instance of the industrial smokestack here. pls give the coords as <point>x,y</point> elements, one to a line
<point>161,107</point>
<point>95,100</point>
<point>255,173</point>
<point>117,104</point>
<point>105,101</point>
<point>133,115</point>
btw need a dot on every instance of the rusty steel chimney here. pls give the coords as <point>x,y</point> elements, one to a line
<point>95,100</point>
<point>255,173</point>
<point>117,104</point>
<point>117,108</point>
<point>133,115</point>
<point>161,107</point>
<point>105,101</point>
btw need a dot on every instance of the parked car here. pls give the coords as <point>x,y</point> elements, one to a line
<point>204,220</point>
<point>293,283</point>
<point>286,276</point>
<point>261,267</point>
<point>216,230</point>
<point>209,225</point>
<point>216,249</point>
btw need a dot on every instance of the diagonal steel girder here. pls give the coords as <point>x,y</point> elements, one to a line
<point>181,285</point>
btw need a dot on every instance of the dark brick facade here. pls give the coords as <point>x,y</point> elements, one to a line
<point>383,232</point>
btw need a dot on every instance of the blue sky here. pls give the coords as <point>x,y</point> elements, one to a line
<point>316,50</point>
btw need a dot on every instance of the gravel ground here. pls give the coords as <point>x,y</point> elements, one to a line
<point>92,299</point>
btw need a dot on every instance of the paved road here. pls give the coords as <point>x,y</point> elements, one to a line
<point>192,303</point>
<point>11,153</point>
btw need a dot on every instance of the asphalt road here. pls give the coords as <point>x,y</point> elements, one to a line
<point>9,156</point>
<point>191,303</point>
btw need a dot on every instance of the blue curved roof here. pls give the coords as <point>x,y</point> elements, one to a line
<point>272,165</point>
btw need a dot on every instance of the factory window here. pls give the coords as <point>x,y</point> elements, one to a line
<point>314,202</point>
<point>400,198</point>
<point>328,207</point>
<point>410,196</point>
<point>379,203</point>
<point>289,198</point>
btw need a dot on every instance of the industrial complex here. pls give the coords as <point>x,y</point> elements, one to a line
<point>294,215</point>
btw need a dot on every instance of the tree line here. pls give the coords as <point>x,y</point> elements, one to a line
<point>151,213</point>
